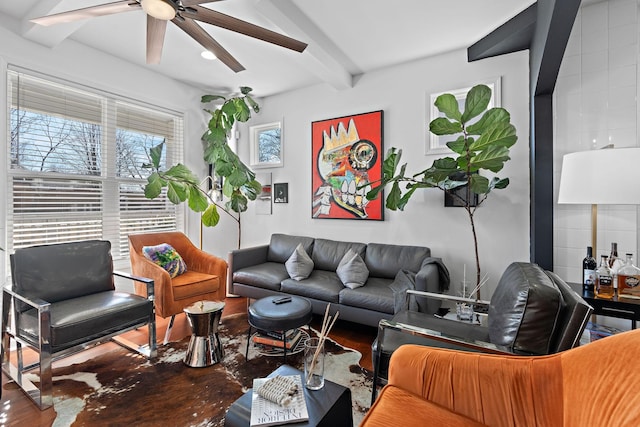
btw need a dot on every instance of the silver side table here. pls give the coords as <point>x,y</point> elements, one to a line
<point>204,348</point>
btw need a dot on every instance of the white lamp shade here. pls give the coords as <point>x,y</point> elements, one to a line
<point>601,177</point>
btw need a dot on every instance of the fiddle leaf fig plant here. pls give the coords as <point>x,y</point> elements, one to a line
<point>479,146</point>
<point>239,183</point>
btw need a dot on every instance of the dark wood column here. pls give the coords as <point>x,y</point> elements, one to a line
<point>547,24</point>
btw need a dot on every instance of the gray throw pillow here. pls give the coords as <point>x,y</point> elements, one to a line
<point>299,265</point>
<point>352,270</point>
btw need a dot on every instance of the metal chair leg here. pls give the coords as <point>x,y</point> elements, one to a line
<point>168,333</point>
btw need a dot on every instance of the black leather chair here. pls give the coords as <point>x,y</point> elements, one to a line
<point>63,300</point>
<point>531,312</point>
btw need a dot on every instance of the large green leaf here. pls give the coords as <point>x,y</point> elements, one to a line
<point>442,126</point>
<point>237,178</point>
<point>501,134</point>
<point>197,201</point>
<point>155,153</point>
<point>390,163</point>
<point>208,98</point>
<point>242,113</point>
<point>211,217</point>
<point>459,145</point>
<point>183,173</point>
<point>499,184</point>
<point>393,198</point>
<point>479,184</point>
<point>153,187</point>
<point>253,104</point>
<point>488,119</point>
<point>238,202</point>
<point>493,159</point>
<point>477,101</point>
<point>176,192</point>
<point>448,104</point>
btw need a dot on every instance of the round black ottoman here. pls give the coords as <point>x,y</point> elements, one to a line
<point>266,315</point>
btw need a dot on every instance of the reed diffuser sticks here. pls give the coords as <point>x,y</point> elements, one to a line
<point>327,323</point>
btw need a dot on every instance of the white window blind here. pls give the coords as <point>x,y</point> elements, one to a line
<point>76,164</point>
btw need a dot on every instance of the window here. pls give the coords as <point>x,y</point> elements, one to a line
<point>76,160</point>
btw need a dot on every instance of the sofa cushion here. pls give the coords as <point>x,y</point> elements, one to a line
<point>299,265</point>
<point>376,296</point>
<point>267,275</point>
<point>386,260</point>
<point>327,254</point>
<point>282,246</point>
<point>525,309</point>
<point>352,270</point>
<point>166,257</point>
<point>321,285</point>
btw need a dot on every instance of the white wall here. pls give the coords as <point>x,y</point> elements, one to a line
<point>595,105</point>
<point>402,92</point>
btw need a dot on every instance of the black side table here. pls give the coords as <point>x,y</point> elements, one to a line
<point>328,407</point>
<point>622,308</point>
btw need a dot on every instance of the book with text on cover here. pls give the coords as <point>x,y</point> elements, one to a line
<point>273,342</point>
<point>266,413</point>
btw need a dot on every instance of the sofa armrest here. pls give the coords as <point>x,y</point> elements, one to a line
<point>246,257</point>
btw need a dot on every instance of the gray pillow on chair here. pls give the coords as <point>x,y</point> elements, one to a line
<point>299,265</point>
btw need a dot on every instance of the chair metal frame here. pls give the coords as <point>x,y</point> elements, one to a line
<point>42,395</point>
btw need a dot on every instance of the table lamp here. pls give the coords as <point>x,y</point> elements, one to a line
<point>610,176</point>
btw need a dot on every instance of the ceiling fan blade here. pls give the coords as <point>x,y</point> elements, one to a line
<point>156,29</point>
<point>195,2</point>
<point>202,37</point>
<point>87,12</point>
<point>239,26</point>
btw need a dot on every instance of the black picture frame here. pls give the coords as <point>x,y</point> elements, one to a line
<point>281,192</point>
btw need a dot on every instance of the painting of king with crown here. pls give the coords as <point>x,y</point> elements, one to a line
<point>347,154</point>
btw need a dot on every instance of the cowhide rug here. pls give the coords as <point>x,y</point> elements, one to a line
<point>122,388</point>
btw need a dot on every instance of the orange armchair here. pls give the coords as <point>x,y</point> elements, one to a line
<point>592,385</point>
<point>205,278</point>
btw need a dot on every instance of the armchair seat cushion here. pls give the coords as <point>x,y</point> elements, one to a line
<point>77,320</point>
<point>193,283</point>
<point>391,410</point>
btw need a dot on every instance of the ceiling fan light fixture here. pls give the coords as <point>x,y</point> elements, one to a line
<point>159,9</point>
<point>207,54</point>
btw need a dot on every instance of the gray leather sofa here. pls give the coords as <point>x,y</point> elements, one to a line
<point>260,271</point>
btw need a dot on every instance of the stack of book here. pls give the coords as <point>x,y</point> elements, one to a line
<point>273,340</point>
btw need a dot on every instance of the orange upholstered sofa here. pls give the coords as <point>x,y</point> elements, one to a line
<point>597,384</point>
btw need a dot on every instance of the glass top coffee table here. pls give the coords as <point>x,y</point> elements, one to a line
<point>330,406</point>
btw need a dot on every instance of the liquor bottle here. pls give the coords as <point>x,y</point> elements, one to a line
<point>615,263</point>
<point>629,278</point>
<point>604,280</point>
<point>589,267</point>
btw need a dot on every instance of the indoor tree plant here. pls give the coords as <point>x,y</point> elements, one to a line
<point>481,145</point>
<point>239,183</point>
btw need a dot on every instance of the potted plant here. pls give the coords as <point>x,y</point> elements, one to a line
<point>239,183</point>
<point>480,146</point>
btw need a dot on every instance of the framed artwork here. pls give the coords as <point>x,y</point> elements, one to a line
<point>263,201</point>
<point>281,193</point>
<point>435,144</point>
<point>346,156</point>
<point>266,145</point>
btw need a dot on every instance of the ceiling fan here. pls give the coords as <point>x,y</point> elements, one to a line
<point>184,14</point>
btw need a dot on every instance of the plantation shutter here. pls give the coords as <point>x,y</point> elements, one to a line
<point>76,158</point>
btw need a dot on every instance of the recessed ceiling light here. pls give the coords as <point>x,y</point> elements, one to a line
<point>207,54</point>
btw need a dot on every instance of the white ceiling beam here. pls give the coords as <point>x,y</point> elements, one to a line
<point>324,55</point>
<point>55,34</point>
